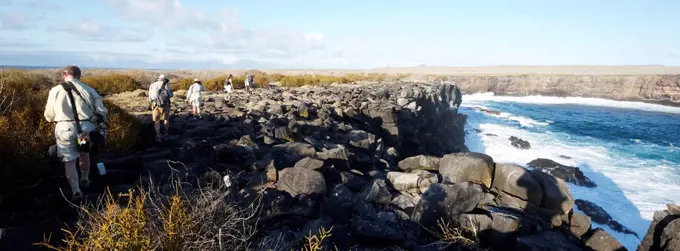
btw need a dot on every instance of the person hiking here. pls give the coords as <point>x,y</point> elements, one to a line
<point>249,83</point>
<point>159,96</point>
<point>195,97</point>
<point>227,87</point>
<point>78,111</point>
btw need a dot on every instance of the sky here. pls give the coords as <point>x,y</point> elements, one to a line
<point>348,34</point>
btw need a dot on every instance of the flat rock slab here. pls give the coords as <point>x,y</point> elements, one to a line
<point>467,166</point>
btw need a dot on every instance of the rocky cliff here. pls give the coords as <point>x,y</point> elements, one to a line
<point>661,89</point>
<point>382,165</point>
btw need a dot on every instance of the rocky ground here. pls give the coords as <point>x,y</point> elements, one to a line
<point>383,165</point>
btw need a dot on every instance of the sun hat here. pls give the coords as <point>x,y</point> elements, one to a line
<point>196,80</point>
<point>162,76</point>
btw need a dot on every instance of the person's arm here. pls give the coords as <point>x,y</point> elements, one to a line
<point>189,93</point>
<point>49,106</point>
<point>202,88</point>
<point>99,107</point>
<point>151,91</point>
<point>170,94</point>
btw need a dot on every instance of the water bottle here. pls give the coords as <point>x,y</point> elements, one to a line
<point>101,168</point>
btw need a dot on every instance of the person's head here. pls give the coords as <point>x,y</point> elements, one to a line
<point>230,76</point>
<point>71,71</point>
<point>197,81</point>
<point>163,78</point>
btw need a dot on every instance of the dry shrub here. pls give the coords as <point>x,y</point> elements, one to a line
<point>123,131</point>
<point>25,135</point>
<point>187,219</point>
<point>448,234</point>
<point>181,84</point>
<point>315,242</point>
<point>301,80</point>
<point>109,84</point>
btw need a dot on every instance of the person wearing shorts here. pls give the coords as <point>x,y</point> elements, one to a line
<point>159,114</point>
<point>89,107</point>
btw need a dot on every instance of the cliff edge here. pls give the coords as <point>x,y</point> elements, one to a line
<point>659,89</point>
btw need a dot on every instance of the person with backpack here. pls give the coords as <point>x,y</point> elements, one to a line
<point>159,96</point>
<point>195,97</point>
<point>228,87</point>
<point>79,113</point>
<point>249,83</point>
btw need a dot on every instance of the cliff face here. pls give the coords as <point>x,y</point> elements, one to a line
<point>662,89</point>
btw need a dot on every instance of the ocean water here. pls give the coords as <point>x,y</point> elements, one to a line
<point>629,149</point>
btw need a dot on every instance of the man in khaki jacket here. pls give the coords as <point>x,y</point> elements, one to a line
<point>58,109</point>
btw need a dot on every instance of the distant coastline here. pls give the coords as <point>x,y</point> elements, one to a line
<point>499,70</point>
<point>647,83</point>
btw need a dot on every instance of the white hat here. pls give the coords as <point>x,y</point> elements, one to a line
<point>196,80</point>
<point>162,76</point>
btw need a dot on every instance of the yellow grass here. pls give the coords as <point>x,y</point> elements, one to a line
<point>148,219</point>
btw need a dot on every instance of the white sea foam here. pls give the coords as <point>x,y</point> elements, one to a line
<point>523,121</point>
<point>539,99</point>
<point>628,189</point>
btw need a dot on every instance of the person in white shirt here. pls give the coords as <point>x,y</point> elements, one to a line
<point>160,112</point>
<point>228,87</point>
<point>249,83</point>
<point>195,97</point>
<point>71,144</point>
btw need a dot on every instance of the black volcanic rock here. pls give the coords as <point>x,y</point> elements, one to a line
<point>567,173</point>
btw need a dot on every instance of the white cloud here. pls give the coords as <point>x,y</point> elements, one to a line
<point>14,21</point>
<point>164,13</point>
<point>221,38</point>
<point>95,31</point>
<point>43,4</point>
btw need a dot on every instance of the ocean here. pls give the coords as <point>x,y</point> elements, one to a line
<point>629,149</point>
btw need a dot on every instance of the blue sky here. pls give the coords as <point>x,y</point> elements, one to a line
<point>337,34</point>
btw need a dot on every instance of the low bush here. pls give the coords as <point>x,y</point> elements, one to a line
<point>110,84</point>
<point>181,84</point>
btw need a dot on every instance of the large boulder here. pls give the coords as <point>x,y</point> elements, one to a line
<point>567,173</point>
<point>298,181</point>
<point>600,216</point>
<point>377,192</point>
<point>377,232</point>
<point>286,155</point>
<point>518,182</point>
<point>447,200</point>
<point>545,241</point>
<point>579,224</point>
<point>663,232</point>
<point>600,240</point>
<point>415,182</point>
<point>420,162</point>
<point>556,194</point>
<point>467,166</point>
<point>310,163</point>
<point>519,143</point>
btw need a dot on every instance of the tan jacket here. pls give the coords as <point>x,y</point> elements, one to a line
<point>58,107</point>
<point>155,87</point>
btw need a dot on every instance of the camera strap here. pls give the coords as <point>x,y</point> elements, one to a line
<point>67,87</point>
